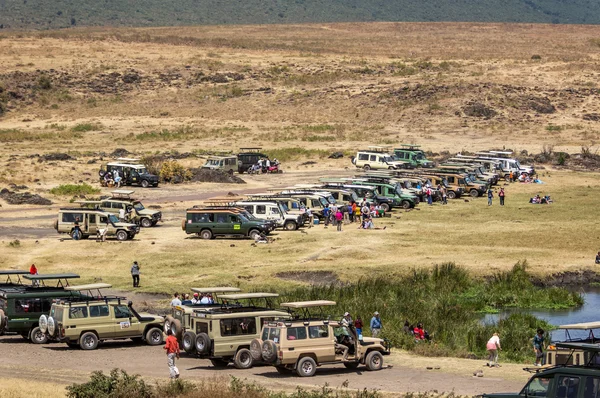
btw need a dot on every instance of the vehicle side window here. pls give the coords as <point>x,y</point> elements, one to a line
<point>264,321</point>
<point>372,158</point>
<point>23,306</point>
<point>363,156</point>
<point>274,210</point>
<point>265,334</point>
<point>201,327</point>
<point>567,387</point>
<point>92,218</point>
<point>78,312</point>
<point>249,209</point>
<point>98,310</point>
<point>295,205</point>
<point>297,333</point>
<point>103,220</point>
<point>261,209</point>
<point>70,217</point>
<point>315,203</point>
<point>237,326</point>
<point>234,219</point>
<point>538,387</point>
<point>121,311</point>
<point>450,180</point>
<point>316,332</point>
<point>221,218</point>
<point>116,205</point>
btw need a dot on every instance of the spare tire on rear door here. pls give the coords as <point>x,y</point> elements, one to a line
<point>269,351</point>
<point>2,322</point>
<point>256,349</point>
<point>43,322</point>
<point>202,343</point>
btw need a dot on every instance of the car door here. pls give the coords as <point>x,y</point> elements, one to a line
<point>126,324</point>
<point>100,316</point>
<point>236,224</point>
<point>222,226</point>
<point>322,342</point>
<point>91,225</point>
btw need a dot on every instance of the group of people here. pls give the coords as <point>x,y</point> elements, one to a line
<point>493,346</point>
<point>363,213</point>
<point>111,178</point>
<point>537,200</point>
<point>196,299</point>
<point>418,332</point>
<point>501,195</point>
<point>345,340</point>
<point>264,165</point>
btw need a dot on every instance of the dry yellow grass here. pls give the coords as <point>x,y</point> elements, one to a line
<point>25,388</point>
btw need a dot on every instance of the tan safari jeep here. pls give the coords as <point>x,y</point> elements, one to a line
<point>223,334</point>
<point>85,321</point>
<point>302,345</point>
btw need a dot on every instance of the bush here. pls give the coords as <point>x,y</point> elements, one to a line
<point>44,83</point>
<point>15,243</point>
<point>173,172</point>
<point>84,127</point>
<point>74,189</point>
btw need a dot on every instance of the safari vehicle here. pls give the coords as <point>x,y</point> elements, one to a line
<point>131,171</point>
<point>566,381</point>
<point>453,190</point>
<point>249,157</point>
<point>121,200</point>
<point>301,345</point>
<point>271,210</point>
<point>21,303</point>
<point>86,321</point>
<point>294,217</point>
<point>473,173</point>
<point>91,221</point>
<point>366,192</point>
<point>401,199</point>
<point>507,165</point>
<point>223,334</point>
<point>208,222</point>
<point>479,166</point>
<point>574,333</point>
<point>314,201</point>
<point>228,164</point>
<point>377,158</point>
<point>413,154</point>
<point>460,180</point>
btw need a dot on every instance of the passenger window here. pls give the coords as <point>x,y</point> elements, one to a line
<point>237,326</point>
<point>201,327</point>
<point>221,218</point>
<point>261,209</point>
<point>234,219</point>
<point>592,387</point>
<point>274,211</point>
<point>121,311</point>
<point>363,156</point>
<point>92,218</point>
<point>450,180</point>
<point>567,387</point>
<point>538,387</point>
<point>71,217</point>
<point>315,203</point>
<point>98,310</point>
<point>274,335</point>
<point>295,205</point>
<point>317,332</point>
<point>372,158</point>
<point>78,312</point>
<point>249,209</point>
<point>297,333</point>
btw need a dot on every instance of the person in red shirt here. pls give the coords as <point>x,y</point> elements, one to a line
<point>33,271</point>
<point>419,332</point>
<point>172,347</point>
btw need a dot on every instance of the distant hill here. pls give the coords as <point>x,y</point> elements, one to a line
<point>51,14</point>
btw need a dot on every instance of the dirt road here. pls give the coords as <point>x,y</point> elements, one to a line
<point>21,359</point>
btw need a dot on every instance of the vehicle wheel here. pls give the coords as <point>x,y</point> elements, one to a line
<point>74,234</point>
<point>290,226</point>
<point>474,193</point>
<point>451,195</point>
<point>88,341</point>
<point>385,207</point>
<point>374,360</point>
<point>72,345</point>
<point>122,235</point>
<point>37,336</point>
<point>306,367</point>
<point>145,184</point>
<point>167,324</point>
<point>146,222</point>
<point>351,365</point>
<point>189,342</point>
<point>202,343</point>
<point>391,168</point>
<point>366,167</point>
<point>269,351</point>
<point>176,329</point>
<point>243,359</point>
<point>253,234</point>
<point>405,204</point>
<point>256,349</point>
<point>43,322</point>
<point>51,332</point>
<point>206,234</point>
<point>154,336</point>
<point>282,370</point>
<point>219,363</point>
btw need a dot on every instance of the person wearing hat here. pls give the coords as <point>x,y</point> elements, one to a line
<point>375,324</point>
<point>347,319</point>
<point>135,274</point>
<point>195,299</point>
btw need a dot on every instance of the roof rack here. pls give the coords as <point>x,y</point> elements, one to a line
<point>122,193</point>
<point>251,149</point>
<point>308,304</point>
<point>223,289</point>
<point>410,146</point>
<point>90,286</point>
<point>247,296</point>
<point>128,160</point>
<point>58,277</point>
<point>13,272</point>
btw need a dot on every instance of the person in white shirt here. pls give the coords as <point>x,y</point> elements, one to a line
<point>195,299</point>
<point>175,301</point>
<point>205,300</point>
<point>492,346</point>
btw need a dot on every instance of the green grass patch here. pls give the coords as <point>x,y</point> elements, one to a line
<point>17,135</point>
<point>85,127</point>
<point>287,154</point>
<point>74,189</point>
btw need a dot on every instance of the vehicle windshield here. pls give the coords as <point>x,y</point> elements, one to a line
<point>324,201</point>
<point>141,170</point>
<point>113,219</point>
<point>331,199</point>
<point>285,207</point>
<point>281,208</point>
<point>537,387</point>
<point>354,196</point>
<point>388,158</point>
<point>245,217</point>
<point>461,181</point>
<point>213,162</point>
<point>56,313</point>
<point>139,206</point>
<point>445,183</point>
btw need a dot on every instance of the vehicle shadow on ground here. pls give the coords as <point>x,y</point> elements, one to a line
<point>109,345</point>
<point>321,373</point>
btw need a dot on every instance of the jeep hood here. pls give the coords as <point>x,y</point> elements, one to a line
<point>147,212</point>
<point>146,315</point>
<point>372,340</point>
<point>124,225</point>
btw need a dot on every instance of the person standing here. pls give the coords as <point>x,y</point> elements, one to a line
<point>172,347</point>
<point>375,324</point>
<point>493,346</point>
<point>326,211</point>
<point>311,217</point>
<point>76,230</point>
<point>339,218</point>
<point>429,197</point>
<point>175,302</point>
<point>538,347</point>
<point>135,274</point>
<point>358,325</point>
<point>490,196</point>
<point>444,196</point>
<point>33,271</point>
<point>501,196</point>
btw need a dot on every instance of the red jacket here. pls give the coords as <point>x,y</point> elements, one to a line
<point>172,346</point>
<point>33,269</point>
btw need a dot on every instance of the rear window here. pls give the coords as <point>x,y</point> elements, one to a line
<point>271,334</point>
<point>201,327</point>
<point>363,156</point>
<point>237,326</point>
<point>297,333</point>
<point>56,313</point>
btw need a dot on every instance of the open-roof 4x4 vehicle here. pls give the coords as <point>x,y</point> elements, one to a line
<point>22,304</point>
<point>91,221</point>
<point>212,221</point>
<point>270,209</point>
<point>84,322</point>
<point>568,381</point>
<point>377,158</point>
<point>228,164</point>
<point>224,334</point>
<point>301,345</point>
<point>412,154</point>
<point>131,171</point>
<point>249,157</point>
<point>122,200</point>
<point>367,192</point>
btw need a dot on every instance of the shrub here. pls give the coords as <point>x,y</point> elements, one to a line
<point>44,83</point>
<point>74,189</point>
<point>173,172</point>
<point>84,127</point>
<point>15,243</point>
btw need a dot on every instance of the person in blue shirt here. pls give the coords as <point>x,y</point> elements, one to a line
<point>375,324</point>
<point>538,347</point>
<point>326,212</point>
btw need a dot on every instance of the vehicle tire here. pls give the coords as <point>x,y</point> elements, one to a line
<point>154,336</point>
<point>176,329</point>
<point>282,370</point>
<point>405,204</point>
<point>474,193</point>
<point>351,365</point>
<point>43,322</point>
<point>202,343</point>
<point>290,226</point>
<point>306,367</point>
<point>243,359</point>
<point>183,225</point>
<point>145,184</point>
<point>37,336</point>
<point>391,168</point>
<point>88,341</point>
<point>206,234</point>
<point>122,235</point>
<point>451,195</point>
<point>374,360</point>
<point>3,321</point>
<point>51,330</point>
<point>167,325</point>
<point>385,207</point>
<point>219,363</point>
<point>74,234</point>
<point>269,351</point>
<point>146,222</point>
<point>188,341</point>
<point>366,167</point>
<point>253,234</point>
<point>256,349</point>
